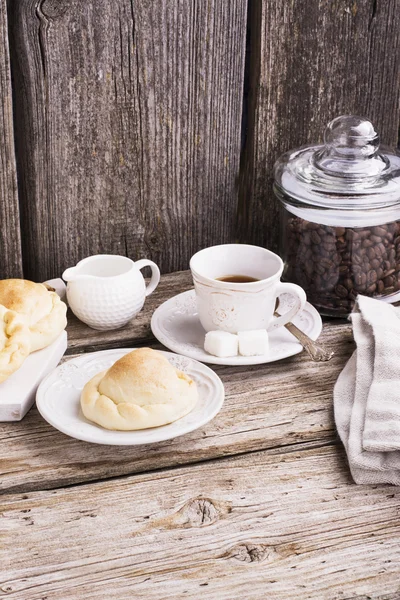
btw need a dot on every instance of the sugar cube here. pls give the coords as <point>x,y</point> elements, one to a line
<point>221,344</point>
<point>253,343</point>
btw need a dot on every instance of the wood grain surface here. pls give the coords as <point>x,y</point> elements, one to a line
<point>10,241</point>
<point>287,527</point>
<point>259,503</point>
<point>128,119</point>
<point>267,407</point>
<point>310,62</point>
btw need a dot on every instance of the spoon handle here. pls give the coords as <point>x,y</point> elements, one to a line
<point>316,352</point>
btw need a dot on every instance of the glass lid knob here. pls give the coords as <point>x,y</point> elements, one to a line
<point>351,148</point>
<point>352,137</point>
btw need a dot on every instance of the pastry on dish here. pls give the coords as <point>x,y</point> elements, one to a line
<point>141,390</point>
<point>43,311</point>
<point>14,342</point>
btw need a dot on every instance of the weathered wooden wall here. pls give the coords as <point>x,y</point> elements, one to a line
<point>312,61</point>
<point>128,119</point>
<point>10,243</point>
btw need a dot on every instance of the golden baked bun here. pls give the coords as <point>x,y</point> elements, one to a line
<point>42,310</point>
<point>141,390</point>
<point>14,342</point>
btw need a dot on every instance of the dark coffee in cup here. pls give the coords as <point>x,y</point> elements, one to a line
<point>237,279</point>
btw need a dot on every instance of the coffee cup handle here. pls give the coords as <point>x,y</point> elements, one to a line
<point>300,299</point>
<point>155,274</point>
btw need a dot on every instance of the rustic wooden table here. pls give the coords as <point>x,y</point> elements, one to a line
<point>257,504</point>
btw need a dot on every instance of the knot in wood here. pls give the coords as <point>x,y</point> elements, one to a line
<point>52,9</point>
<point>200,512</point>
<point>251,553</point>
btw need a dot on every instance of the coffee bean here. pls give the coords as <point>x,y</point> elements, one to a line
<point>329,246</point>
<point>315,238</point>
<point>327,263</point>
<point>367,243</point>
<point>376,239</point>
<point>361,280</point>
<point>375,263</point>
<point>348,283</point>
<point>388,281</point>
<point>341,291</point>
<point>379,231</point>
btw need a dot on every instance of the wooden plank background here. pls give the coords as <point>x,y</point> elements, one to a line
<point>10,243</point>
<point>129,120</point>
<point>128,127</point>
<point>312,61</point>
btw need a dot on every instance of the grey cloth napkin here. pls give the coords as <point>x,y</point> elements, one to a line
<point>367,395</point>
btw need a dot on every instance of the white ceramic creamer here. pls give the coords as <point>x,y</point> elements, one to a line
<point>106,291</point>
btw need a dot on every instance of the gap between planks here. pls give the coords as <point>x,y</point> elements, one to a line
<point>272,451</point>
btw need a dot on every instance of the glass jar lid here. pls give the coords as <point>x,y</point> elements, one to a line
<point>348,172</point>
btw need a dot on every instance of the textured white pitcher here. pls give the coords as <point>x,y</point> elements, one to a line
<point>106,291</point>
<point>237,307</point>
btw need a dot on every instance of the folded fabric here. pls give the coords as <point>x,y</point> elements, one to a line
<point>367,394</point>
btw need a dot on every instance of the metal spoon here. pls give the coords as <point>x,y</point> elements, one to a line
<point>316,353</point>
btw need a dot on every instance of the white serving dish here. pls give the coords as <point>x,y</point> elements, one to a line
<point>58,400</point>
<point>17,393</point>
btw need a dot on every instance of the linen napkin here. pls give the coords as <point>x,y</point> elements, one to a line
<point>367,394</point>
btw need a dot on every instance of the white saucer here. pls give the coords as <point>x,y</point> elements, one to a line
<point>176,325</point>
<point>58,400</point>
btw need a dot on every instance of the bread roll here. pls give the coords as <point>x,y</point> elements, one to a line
<point>141,390</point>
<point>14,342</point>
<point>42,310</point>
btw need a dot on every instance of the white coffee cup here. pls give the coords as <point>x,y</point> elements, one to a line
<point>237,307</point>
<point>106,291</point>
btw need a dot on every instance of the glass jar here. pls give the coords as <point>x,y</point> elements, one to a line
<point>340,223</point>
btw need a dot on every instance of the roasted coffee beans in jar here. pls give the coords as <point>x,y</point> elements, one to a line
<point>340,224</point>
<point>334,264</point>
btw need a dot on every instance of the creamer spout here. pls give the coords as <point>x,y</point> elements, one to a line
<point>69,274</point>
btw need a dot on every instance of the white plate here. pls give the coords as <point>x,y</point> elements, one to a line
<point>58,400</point>
<point>176,325</point>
